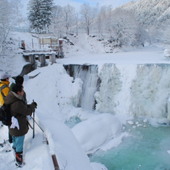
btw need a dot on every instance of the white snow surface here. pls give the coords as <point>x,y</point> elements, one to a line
<point>57,97</point>
<point>101,129</point>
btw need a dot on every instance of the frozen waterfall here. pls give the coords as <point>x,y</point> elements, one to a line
<point>137,90</point>
<point>89,75</point>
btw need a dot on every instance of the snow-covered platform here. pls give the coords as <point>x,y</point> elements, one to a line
<point>41,55</point>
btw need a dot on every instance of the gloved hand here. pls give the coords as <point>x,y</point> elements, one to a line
<point>35,104</point>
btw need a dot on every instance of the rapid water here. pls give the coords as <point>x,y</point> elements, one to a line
<point>89,75</point>
<point>145,149</point>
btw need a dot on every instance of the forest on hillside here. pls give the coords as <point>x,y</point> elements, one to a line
<point>132,24</point>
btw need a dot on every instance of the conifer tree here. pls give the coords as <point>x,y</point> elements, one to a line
<point>40,14</point>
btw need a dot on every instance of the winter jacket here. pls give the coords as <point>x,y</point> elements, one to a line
<point>4,90</point>
<point>20,111</point>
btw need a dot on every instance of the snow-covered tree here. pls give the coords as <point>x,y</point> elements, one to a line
<point>103,18</point>
<point>16,11</point>
<point>46,11</point>
<point>64,20</point>
<point>166,34</point>
<point>88,16</point>
<point>34,15</point>
<point>5,22</point>
<point>68,17</point>
<point>40,14</point>
<point>151,14</point>
<point>57,20</point>
<point>123,28</point>
<point>77,23</point>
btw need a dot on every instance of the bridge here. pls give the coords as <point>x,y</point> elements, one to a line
<point>41,55</point>
<point>53,50</point>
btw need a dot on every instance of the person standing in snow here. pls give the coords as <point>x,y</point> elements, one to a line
<point>19,80</point>
<point>19,126</point>
<point>4,87</point>
<point>4,90</point>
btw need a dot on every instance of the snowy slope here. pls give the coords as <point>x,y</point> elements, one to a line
<point>149,13</point>
<point>56,94</point>
<point>62,142</point>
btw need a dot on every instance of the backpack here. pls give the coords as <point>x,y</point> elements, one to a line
<point>5,115</point>
<point>3,87</point>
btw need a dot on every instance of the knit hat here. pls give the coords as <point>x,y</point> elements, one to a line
<point>5,76</point>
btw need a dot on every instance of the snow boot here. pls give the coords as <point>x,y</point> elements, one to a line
<point>19,159</point>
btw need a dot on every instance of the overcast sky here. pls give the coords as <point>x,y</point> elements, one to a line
<point>78,3</point>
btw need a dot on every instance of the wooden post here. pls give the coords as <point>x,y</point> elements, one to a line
<point>32,59</point>
<point>43,42</point>
<point>51,42</point>
<point>42,59</point>
<point>54,159</point>
<point>56,166</point>
<point>61,54</point>
<point>32,43</point>
<point>52,58</point>
<point>40,42</point>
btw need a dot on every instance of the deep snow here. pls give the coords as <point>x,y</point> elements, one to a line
<point>57,95</point>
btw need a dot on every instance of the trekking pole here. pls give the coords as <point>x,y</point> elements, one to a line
<point>37,124</point>
<point>41,129</point>
<point>33,124</point>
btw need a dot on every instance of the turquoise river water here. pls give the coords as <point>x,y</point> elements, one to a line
<point>146,149</point>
